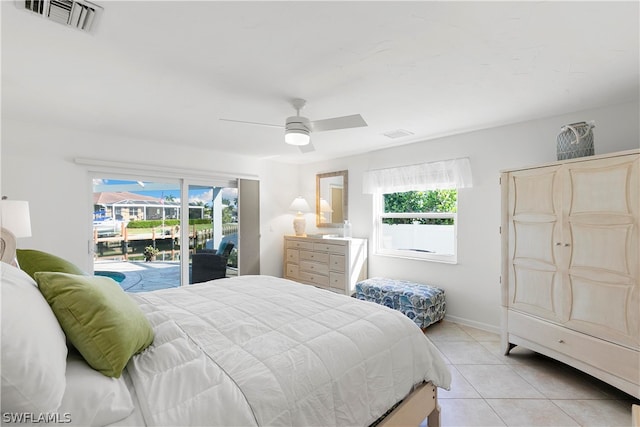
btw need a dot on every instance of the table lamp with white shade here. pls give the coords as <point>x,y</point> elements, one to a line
<point>14,218</point>
<point>301,206</point>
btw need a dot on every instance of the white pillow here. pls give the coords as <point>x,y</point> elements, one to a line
<point>93,399</point>
<point>34,350</point>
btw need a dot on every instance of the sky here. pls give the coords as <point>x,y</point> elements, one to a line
<point>158,190</point>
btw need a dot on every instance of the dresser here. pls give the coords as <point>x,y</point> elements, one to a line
<point>570,252</point>
<point>336,264</point>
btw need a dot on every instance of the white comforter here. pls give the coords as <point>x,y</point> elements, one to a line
<point>259,350</point>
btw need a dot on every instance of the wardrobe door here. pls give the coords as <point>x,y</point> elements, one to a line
<point>534,219</point>
<point>600,245</point>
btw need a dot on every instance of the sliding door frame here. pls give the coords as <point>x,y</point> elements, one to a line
<point>97,168</point>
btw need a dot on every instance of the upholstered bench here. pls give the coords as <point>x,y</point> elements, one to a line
<point>423,304</point>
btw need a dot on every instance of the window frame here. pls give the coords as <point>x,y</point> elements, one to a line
<point>379,215</point>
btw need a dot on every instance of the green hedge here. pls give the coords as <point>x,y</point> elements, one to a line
<point>167,222</point>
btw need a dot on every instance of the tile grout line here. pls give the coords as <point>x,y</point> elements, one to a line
<point>513,368</point>
<point>545,397</point>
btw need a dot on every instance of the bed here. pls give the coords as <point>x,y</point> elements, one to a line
<point>250,350</point>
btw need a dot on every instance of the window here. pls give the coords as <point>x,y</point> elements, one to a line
<point>418,224</point>
<point>415,208</point>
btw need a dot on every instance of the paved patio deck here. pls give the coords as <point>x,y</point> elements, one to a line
<point>143,276</point>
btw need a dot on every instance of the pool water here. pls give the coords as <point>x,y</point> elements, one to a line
<point>118,277</point>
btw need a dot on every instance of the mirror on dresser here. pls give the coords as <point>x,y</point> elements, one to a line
<point>331,198</point>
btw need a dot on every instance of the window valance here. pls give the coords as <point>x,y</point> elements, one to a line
<point>445,174</point>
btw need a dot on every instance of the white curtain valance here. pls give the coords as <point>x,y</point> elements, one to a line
<point>445,174</point>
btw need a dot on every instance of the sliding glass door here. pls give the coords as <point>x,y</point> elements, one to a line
<point>214,234</point>
<point>145,231</point>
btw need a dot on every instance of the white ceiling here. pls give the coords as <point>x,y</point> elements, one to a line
<point>168,71</point>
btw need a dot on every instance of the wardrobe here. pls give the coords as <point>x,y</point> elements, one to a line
<point>570,264</point>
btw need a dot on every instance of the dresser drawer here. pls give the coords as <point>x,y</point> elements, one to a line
<point>316,279</point>
<point>314,256</point>
<point>328,247</point>
<point>293,255</point>
<point>292,271</point>
<point>337,280</point>
<point>613,358</point>
<point>299,244</point>
<point>336,262</point>
<point>314,267</point>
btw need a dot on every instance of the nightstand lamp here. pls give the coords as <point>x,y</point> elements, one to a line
<point>299,205</point>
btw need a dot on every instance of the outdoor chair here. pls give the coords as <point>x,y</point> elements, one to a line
<point>207,264</point>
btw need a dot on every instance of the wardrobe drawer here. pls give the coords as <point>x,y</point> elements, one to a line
<point>316,279</point>
<point>613,358</point>
<point>293,255</point>
<point>336,262</point>
<point>314,256</point>
<point>299,244</point>
<point>314,267</point>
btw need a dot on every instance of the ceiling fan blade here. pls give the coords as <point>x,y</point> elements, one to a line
<point>306,148</point>
<point>252,123</point>
<point>345,122</point>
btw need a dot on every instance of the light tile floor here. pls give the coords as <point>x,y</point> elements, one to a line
<point>522,389</point>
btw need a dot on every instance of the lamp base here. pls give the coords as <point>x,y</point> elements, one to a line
<point>299,225</point>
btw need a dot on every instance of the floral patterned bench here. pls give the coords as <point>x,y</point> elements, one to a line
<point>423,304</point>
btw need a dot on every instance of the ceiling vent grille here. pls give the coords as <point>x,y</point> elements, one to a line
<point>399,133</point>
<point>77,14</point>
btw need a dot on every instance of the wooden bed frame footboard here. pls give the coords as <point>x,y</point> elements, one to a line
<point>421,403</point>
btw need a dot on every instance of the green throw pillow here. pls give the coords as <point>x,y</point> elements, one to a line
<point>31,261</point>
<point>98,317</point>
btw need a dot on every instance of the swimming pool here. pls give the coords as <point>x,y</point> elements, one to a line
<point>118,277</point>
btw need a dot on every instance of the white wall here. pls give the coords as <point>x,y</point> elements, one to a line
<point>37,165</point>
<point>472,286</point>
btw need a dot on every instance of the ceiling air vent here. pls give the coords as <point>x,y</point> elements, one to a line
<point>399,133</point>
<point>77,14</point>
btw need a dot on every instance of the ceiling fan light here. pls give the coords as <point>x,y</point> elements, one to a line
<point>297,137</point>
<point>297,131</point>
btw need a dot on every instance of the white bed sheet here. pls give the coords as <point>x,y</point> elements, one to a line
<point>135,419</point>
<point>260,350</point>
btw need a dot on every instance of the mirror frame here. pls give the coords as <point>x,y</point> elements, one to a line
<point>345,197</point>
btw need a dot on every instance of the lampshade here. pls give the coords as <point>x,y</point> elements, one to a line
<point>14,216</point>
<point>299,204</point>
<point>297,137</point>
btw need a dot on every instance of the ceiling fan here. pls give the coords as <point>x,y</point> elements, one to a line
<point>298,129</point>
